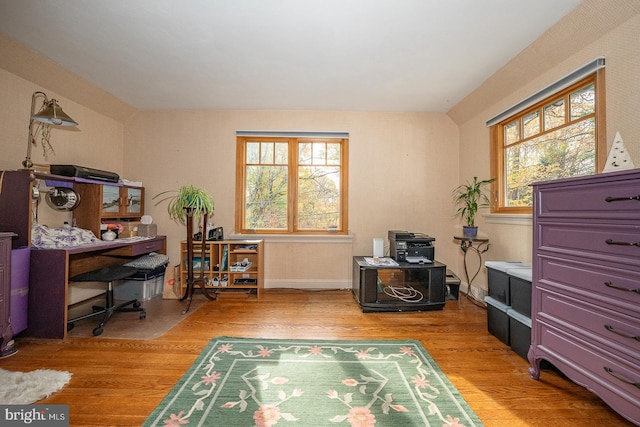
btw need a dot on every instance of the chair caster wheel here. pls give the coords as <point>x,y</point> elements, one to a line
<point>143,314</point>
<point>136,304</point>
<point>97,331</point>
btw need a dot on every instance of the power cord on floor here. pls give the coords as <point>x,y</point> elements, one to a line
<point>404,293</point>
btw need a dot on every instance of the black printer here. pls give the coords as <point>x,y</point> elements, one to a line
<point>414,248</point>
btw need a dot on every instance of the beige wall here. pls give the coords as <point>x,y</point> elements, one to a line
<point>596,28</point>
<point>401,170</point>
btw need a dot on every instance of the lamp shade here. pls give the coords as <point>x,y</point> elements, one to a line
<point>52,113</point>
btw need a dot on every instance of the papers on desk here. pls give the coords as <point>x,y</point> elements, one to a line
<point>381,261</point>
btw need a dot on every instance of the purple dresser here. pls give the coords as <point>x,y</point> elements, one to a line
<point>586,284</point>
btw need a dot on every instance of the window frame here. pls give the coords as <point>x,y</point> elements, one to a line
<point>292,185</point>
<point>497,146</point>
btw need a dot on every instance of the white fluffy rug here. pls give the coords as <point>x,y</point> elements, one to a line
<point>23,388</point>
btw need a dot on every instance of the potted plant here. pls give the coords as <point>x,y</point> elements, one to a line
<point>189,204</point>
<point>470,197</point>
<point>189,201</point>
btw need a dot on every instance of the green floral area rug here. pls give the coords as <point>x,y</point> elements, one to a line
<point>264,383</point>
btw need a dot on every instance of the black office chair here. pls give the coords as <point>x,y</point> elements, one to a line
<point>107,275</point>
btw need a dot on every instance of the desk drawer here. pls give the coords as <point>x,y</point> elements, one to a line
<point>147,246</point>
<point>140,248</point>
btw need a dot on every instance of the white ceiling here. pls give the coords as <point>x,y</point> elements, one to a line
<point>373,55</point>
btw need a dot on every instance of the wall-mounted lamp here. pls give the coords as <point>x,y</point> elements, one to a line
<point>50,113</point>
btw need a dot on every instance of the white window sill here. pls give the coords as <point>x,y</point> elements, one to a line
<point>510,219</point>
<point>296,238</point>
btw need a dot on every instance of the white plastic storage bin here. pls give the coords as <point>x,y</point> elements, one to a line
<point>141,290</point>
<point>142,286</point>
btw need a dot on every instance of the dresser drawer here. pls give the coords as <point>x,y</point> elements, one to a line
<point>603,285</point>
<point>590,201</point>
<point>616,332</point>
<point>600,242</point>
<point>609,377</point>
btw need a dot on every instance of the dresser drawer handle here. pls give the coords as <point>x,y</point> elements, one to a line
<point>624,380</point>
<point>611,285</point>
<point>620,199</point>
<point>613,242</point>
<point>622,334</point>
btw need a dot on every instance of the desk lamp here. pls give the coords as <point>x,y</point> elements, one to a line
<point>50,114</point>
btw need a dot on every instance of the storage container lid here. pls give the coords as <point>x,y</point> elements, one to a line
<point>523,273</point>
<point>505,265</point>
<point>497,304</point>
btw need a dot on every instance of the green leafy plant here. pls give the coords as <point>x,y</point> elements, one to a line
<point>471,196</point>
<point>188,200</point>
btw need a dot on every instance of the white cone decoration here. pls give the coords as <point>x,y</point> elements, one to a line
<point>619,158</point>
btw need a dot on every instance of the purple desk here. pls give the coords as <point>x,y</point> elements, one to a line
<point>51,269</point>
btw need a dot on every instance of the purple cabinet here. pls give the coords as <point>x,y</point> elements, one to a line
<point>6,333</point>
<point>586,284</point>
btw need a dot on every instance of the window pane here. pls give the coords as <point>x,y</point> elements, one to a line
<point>583,102</point>
<point>266,153</point>
<point>563,153</point>
<point>512,132</point>
<point>554,115</point>
<point>304,153</point>
<point>319,153</point>
<point>318,197</point>
<point>253,152</point>
<point>333,154</point>
<point>282,153</point>
<point>531,124</point>
<point>266,197</point>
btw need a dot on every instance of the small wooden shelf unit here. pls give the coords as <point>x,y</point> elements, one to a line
<point>223,269</point>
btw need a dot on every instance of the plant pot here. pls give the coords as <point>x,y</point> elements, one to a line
<point>469,231</point>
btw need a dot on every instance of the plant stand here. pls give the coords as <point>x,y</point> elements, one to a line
<point>191,281</point>
<point>466,244</point>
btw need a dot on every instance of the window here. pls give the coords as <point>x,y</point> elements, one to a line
<point>559,136</point>
<point>291,185</point>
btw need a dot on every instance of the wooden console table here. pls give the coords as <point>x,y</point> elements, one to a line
<point>51,269</point>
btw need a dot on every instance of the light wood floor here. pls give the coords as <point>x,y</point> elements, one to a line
<point>119,382</point>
